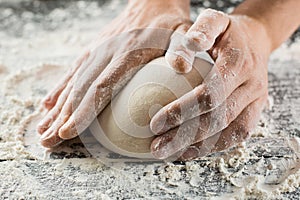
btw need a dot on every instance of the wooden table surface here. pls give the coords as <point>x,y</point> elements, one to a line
<point>71,171</point>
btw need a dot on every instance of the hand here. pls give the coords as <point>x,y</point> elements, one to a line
<point>139,34</point>
<point>227,105</point>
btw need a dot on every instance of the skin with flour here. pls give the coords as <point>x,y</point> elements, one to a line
<point>240,63</point>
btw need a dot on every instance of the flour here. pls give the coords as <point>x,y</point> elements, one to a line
<point>266,166</point>
<point>2,69</point>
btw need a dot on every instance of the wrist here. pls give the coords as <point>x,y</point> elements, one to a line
<point>279,18</point>
<point>257,32</point>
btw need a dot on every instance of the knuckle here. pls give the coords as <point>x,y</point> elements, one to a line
<point>210,101</point>
<point>245,135</point>
<point>247,67</point>
<point>243,131</point>
<point>174,114</point>
<point>230,113</point>
<point>246,62</point>
<point>231,56</point>
<point>261,85</point>
<point>205,98</point>
<point>205,122</point>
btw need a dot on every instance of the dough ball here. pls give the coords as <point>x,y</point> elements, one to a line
<point>148,98</point>
<point>123,126</point>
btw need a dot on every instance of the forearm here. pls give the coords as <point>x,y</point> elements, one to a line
<point>180,6</point>
<point>185,3</point>
<point>279,17</point>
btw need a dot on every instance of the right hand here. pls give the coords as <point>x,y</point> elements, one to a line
<point>224,109</point>
<point>139,34</point>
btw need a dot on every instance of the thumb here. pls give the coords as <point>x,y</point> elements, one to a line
<point>209,25</point>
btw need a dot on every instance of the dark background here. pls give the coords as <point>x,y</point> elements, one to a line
<point>13,21</point>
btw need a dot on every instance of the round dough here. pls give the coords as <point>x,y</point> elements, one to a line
<point>123,126</point>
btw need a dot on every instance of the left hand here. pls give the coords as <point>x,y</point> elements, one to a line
<point>224,109</point>
<point>136,36</point>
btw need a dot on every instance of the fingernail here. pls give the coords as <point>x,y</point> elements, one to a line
<point>67,132</point>
<point>41,128</point>
<point>47,103</point>
<point>63,133</point>
<point>47,99</point>
<point>43,125</point>
<point>156,124</point>
<point>51,142</point>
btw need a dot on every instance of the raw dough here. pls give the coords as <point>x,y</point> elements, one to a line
<point>123,126</point>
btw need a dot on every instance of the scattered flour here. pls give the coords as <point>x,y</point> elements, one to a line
<point>266,166</point>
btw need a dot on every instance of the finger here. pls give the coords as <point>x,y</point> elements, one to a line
<point>220,82</point>
<point>237,132</point>
<point>68,93</point>
<point>51,116</point>
<point>50,137</point>
<point>179,57</point>
<point>107,85</point>
<point>80,86</point>
<point>90,58</point>
<point>61,98</point>
<point>208,27</point>
<point>83,89</point>
<point>50,100</point>
<point>204,126</point>
<point>50,140</point>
